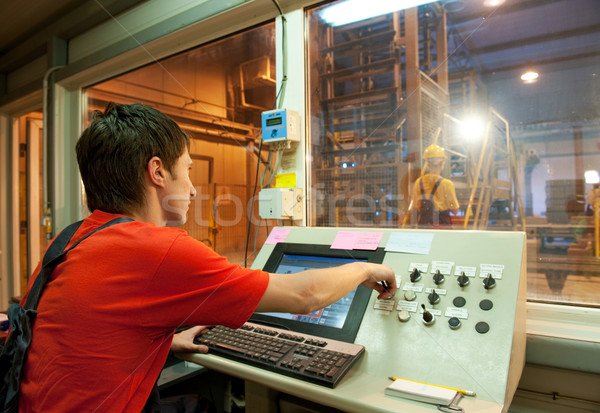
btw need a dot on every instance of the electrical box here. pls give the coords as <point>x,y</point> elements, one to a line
<point>280,125</point>
<point>280,203</point>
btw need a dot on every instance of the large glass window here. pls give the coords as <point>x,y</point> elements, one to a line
<point>216,93</point>
<point>510,90</point>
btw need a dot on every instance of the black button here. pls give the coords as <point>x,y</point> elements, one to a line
<point>486,305</point>
<point>459,302</point>
<point>454,323</point>
<point>482,327</point>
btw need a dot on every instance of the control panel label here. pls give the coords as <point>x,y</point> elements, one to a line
<point>432,311</point>
<point>457,312</point>
<point>495,269</point>
<point>413,287</point>
<point>469,271</point>
<point>445,267</point>
<point>386,305</point>
<point>410,306</point>
<point>421,266</point>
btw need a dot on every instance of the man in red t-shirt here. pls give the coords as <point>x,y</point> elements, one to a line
<point>107,316</point>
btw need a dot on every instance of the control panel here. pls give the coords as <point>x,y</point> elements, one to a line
<point>457,319</point>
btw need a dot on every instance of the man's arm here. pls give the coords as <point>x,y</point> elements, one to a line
<point>311,290</point>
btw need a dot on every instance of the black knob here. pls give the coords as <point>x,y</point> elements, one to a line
<point>489,282</point>
<point>462,279</point>
<point>433,298</point>
<point>428,318</point>
<point>454,323</point>
<point>438,277</point>
<point>415,275</point>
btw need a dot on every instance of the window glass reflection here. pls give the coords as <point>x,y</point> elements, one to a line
<point>508,90</point>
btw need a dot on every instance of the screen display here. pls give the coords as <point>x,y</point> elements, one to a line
<point>331,316</point>
<point>274,121</point>
<point>340,320</point>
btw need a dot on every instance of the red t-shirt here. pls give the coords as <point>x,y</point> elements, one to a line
<point>106,317</point>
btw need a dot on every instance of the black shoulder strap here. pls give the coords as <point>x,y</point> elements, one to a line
<point>55,253</point>
<point>435,187</point>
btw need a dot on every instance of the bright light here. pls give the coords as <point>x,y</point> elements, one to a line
<point>493,3</point>
<point>350,11</point>
<point>472,128</point>
<point>591,177</point>
<point>530,76</point>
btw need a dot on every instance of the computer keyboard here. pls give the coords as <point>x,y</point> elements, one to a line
<point>314,359</point>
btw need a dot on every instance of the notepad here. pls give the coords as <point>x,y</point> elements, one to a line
<point>421,392</point>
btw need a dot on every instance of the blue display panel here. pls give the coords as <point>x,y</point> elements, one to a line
<point>339,320</point>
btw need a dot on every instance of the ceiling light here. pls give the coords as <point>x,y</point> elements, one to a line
<point>492,3</point>
<point>350,11</point>
<point>530,76</point>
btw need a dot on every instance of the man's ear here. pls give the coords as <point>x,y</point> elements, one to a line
<point>156,171</point>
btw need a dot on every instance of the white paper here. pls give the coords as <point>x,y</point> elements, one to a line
<point>409,242</point>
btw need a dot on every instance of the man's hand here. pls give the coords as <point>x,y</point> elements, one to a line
<point>381,278</point>
<point>184,342</point>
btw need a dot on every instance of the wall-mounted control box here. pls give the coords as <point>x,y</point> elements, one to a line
<point>280,125</point>
<point>280,203</point>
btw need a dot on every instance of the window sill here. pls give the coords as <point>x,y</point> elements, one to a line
<point>563,336</point>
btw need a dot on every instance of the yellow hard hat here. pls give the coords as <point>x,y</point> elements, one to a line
<point>434,151</point>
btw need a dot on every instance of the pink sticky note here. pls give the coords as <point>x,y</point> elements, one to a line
<point>367,240</point>
<point>344,240</point>
<point>278,234</point>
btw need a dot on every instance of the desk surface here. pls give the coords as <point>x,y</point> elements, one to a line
<point>357,392</point>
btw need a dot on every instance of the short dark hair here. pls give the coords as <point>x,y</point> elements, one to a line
<point>114,150</point>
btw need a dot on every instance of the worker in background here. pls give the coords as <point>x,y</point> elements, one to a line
<point>433,195</point>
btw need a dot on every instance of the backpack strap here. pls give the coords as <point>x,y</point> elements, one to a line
<point>56,253</point>
<point>14,352</point>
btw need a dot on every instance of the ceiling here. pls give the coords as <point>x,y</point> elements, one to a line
<point>494,42</point>
<point>26,25</point>
<point>540,32</point>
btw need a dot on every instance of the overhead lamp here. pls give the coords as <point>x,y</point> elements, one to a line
<point>530,75</point>
<point>472,128</point>
<point>350,11</point>
<point>493,3</point>
<point>591,177</point>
